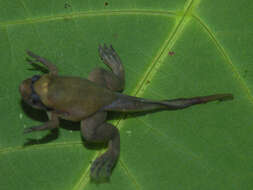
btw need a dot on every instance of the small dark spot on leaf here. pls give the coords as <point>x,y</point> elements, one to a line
<point>171,53</point>
<point>245,73</point>
<point>67,18</point>
<point>148,81</point>
<point>115,36</point>
<point>66,5</point>
<point>106,3</point>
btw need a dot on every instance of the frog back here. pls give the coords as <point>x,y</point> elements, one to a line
<point>76,98</point>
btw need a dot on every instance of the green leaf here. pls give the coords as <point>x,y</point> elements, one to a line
<point>170,49</point>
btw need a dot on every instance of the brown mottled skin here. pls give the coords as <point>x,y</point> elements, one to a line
<point>89,100</point>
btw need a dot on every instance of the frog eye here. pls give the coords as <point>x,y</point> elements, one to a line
<point>35,98</point>
<point>35,78</point>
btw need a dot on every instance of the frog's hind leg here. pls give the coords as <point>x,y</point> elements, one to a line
<point>112,60</point>
<point>95,130</point>
<point>113,80</point>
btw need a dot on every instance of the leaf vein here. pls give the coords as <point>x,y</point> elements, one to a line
<point>7,150</point>
<point>131,177</point>
<point>226,57</point>
<point>88,14</point>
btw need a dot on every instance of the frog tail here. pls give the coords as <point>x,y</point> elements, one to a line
<point>126,103</point>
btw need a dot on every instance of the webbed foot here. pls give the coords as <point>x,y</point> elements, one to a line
<point>109,55</point>
<point>102,167</point>
<point>112,60</point>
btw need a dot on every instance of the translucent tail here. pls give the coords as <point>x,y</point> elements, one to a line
<point>126,103</point>
<point>182,103</point>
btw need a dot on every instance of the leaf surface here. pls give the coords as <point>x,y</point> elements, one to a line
<point>170,49</point>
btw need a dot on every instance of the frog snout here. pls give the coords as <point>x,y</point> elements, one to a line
<point>25,88</point>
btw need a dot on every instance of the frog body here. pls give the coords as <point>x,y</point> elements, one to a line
<point>74,97</point>
<point>89,100</point>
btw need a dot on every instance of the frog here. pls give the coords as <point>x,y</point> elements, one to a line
<point>89,100</point>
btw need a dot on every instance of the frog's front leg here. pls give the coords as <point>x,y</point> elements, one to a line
<point>51,124</point>
<point>114,80</point>
<point>95,130</point>
<point>51,67</point>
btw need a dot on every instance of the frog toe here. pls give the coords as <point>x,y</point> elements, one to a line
<point>102,167</point>
<point>108,54</point>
